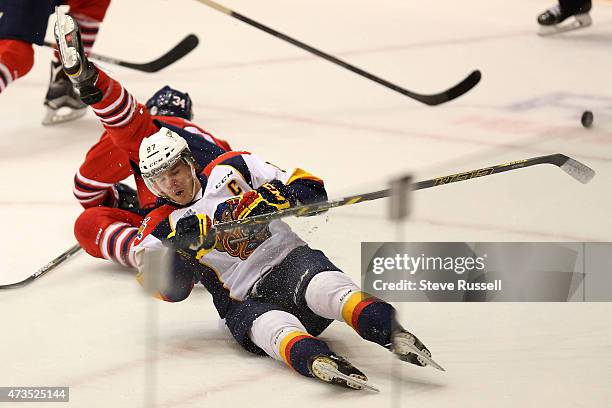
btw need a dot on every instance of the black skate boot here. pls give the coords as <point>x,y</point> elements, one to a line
<point>337,370</point>
<point>82,73</point>
<point>62,101</point>
<point>551,19</point>
<point>409,348</point>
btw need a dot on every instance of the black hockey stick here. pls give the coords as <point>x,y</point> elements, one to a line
<point>51,265</point>
<point>574,168</point>
<point>183,48</point>
<point>434,99</point>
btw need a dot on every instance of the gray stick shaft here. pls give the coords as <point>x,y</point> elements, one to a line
<point>577,170</point>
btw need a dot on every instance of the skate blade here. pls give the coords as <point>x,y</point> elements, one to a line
<point>578,21</point>
<point>402,344</point>
<point>56,116</point>
<point>64,27</point>
<point>331,373</point>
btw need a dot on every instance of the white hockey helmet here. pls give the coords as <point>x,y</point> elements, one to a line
<point>159,152</point>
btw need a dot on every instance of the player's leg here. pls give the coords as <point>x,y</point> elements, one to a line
<point>126,121</point>
<point>573,7</point>
<point>23,23</point>
<point>89,14</point>
<point>108,233</point>
<point>308,280</point>
<point>552,20</point>
<point>263,328</point>
<point>332,294</point>
<point>62,102</point>
<point>16,60</point>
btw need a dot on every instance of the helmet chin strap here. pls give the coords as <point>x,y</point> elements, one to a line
<point>194,191</point>
<point>194,182</point>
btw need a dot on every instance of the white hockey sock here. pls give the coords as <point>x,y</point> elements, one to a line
<point>272,330</point>
<point>328,292</point>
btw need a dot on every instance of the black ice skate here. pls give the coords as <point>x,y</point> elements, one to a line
<point>77,67</point>
<point>410,349</point>
<point>62,101</point>
<point>337,370</point>
<point>551,20</point>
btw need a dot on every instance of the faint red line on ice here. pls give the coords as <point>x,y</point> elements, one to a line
<point>163,355</point>
<point>396,132</point>
<point>484,227</point>
<point>363,51</point>
<point>366,51</point>
<point>501,228</point>
<point>205,390</point>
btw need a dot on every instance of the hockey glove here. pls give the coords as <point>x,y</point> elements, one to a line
<point>268,198</point>
<point>194,234</point>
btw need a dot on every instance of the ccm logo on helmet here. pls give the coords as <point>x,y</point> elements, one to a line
<point>156,162</point>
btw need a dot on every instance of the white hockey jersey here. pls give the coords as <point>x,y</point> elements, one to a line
<point>237,266</point>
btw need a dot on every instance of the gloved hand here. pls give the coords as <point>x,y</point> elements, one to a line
<point>194,233</point>
<point>268,198</point>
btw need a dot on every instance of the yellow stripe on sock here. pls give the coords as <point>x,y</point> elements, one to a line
<point>285,342</point>
<point>350,304</point>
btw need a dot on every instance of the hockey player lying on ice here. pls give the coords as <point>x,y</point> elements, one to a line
<point>275,293</point>
<point>113,211</point>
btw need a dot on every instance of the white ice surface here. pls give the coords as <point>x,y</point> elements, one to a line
<point>88,325</point>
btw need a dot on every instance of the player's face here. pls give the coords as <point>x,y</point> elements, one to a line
<point>178,183</point>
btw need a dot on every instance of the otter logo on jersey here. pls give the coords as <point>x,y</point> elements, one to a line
<point>241,244</point>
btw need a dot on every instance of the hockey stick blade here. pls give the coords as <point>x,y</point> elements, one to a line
<point>431,100</point>
<point>456,91</point>
<point>184,47</point>
<point>572,167</point>
<point>51,265</point>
